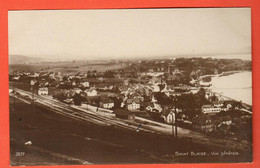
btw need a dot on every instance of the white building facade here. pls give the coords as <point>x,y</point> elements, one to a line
<point>43,91</point>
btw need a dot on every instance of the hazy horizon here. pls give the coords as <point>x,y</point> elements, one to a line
<point>130,33</point>
<point>51,59</point>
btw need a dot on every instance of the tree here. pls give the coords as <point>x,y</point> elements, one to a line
<point>60,97</point>
<point>162,98</point>
<point>77,99</point>
<point>65,78</point>
<point>65,86</point>
<point>200,98</point>
<point>109,74</point>
<point>97,101</point>
<point>116,89</point>
<point>188,104</point>
<point>117,102</point>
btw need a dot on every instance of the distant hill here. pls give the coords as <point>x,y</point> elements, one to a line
<point>20,59</point>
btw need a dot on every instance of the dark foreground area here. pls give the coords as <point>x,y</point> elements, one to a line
<point>53,139</point>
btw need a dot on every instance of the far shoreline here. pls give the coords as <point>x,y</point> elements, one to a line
<point>223,74</point>
<point>226,73</point>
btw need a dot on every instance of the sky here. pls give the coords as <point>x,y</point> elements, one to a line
<point>130,33</point>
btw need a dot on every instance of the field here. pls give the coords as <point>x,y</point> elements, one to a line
<point>73,66</point>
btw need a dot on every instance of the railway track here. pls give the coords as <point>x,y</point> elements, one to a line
<point>78,114</point>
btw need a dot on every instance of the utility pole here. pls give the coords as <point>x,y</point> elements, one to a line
<point>32,94</point>
<point>175,112</point>
<point>14,99</point>
<point>172,128</point>
<point>32,88</point>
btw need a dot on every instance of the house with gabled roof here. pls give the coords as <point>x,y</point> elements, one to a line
<point>133,104</point>
<point>84,84</point>
<point>203,123</point>
<point>91,92</point>
<point>153,106</point>
<point>168,116</point>
<point>218,103</point>
<point>107,103</point>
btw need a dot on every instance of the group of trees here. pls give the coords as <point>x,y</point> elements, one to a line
<point>60,96</point>
<point>241,126</point>
<point>162,99</point>
<point>65,86</point>
<point>193,67</point>
<point>189,103</point>
<point>109,74</point>
<point>77,98</point>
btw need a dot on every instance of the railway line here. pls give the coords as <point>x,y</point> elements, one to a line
<point>77,114</point>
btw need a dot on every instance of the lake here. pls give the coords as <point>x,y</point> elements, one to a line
<point>237,86</point>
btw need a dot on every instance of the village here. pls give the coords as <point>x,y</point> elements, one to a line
<point>162,94</point>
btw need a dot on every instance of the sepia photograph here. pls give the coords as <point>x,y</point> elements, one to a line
<point>130,86</point>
